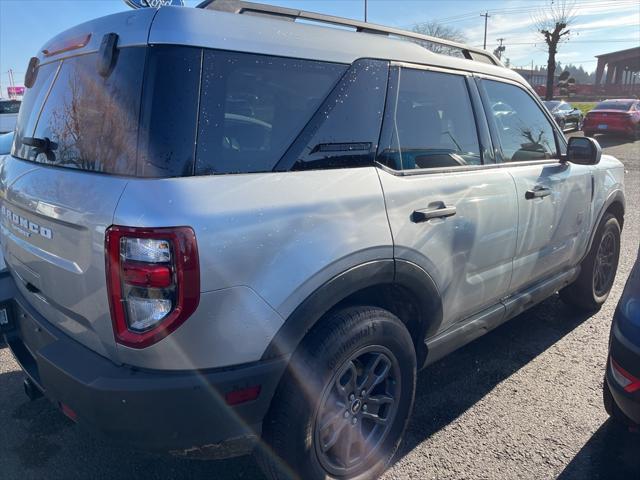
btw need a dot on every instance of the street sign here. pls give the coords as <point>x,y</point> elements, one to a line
<point>153,3</point>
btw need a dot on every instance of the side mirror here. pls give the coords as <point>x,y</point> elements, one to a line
<point>583,151</point>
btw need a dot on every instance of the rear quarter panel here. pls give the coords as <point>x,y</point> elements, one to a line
<point>266,242</point>
<point>608,183</point>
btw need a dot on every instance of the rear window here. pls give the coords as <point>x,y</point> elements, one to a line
<point>623,106</point>
<point>170,111</point>
<point>90,121</point>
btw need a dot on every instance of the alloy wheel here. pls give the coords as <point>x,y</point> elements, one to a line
<point>357,410</point>
<point>605,264</point>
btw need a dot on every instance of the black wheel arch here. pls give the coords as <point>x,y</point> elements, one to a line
<point>399,286</point>
<point>615,204</point>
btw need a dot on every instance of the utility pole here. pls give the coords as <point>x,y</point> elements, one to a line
<point>486,17</point>
<point>365,11</point>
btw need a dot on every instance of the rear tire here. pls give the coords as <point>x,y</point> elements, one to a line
<point>598,270</point>
<point>343,404</point>
<point>612,409</point>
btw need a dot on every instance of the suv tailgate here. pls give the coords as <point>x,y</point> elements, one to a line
<point>53,223</point>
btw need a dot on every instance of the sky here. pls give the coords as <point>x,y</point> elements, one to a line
<point>600,26</point>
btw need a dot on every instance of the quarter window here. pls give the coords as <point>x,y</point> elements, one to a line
<point>524,132</point>
<point>254,106</point>
<point>429,122</point>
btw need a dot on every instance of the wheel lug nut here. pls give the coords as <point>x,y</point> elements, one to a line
<point>346,414</point>
<point>365,408</point>
<point>352,397</point>
<point>354,420</point>
<point>363,393</point>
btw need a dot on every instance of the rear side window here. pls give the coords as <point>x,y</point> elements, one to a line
<point>524,132</point>
<point>429,122</point>
<point>252,107</point>
<point>344,132</point>
<point>91,121</point>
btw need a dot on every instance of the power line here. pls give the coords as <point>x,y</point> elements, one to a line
<point>612,40</point>
<point>523,9</point>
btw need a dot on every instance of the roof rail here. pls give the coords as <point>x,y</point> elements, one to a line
<point>290,14</point>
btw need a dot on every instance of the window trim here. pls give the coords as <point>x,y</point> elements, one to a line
<point>464,168</point>
<point>395,68</point>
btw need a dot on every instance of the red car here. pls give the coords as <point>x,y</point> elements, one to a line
<point>614,116</point>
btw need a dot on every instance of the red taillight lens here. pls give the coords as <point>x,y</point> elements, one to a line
<point>145,275</point>
<point>153,278</point>
<point>627,381</point>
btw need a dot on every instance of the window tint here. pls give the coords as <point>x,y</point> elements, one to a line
<point>523,130</point>
<point>254,106</point>
<point>430,122</point>
<point>170,111</point>
<point>10,106</point>
<point>344,132</point>
<point>92,121</point>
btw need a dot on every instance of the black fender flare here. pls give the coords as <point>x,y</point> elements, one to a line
<point>357,278</point>
<point>615,196</point>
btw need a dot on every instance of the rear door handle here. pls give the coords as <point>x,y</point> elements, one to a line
<point>537,192</point>
<point>442,211</point>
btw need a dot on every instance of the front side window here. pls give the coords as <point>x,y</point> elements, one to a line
<point>429,122</point>
<point>524,132</point>
<point>252,107</point>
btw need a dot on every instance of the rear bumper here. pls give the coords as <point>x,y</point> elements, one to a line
<point>593,127</point>
<point>626,355</point>
<point>184,412</point>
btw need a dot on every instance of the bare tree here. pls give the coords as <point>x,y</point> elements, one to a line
<point>552,24</point>
<point>435,29</point>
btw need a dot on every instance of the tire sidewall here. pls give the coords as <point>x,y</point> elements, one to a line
<point>381,329</point>
<point>609,223</point>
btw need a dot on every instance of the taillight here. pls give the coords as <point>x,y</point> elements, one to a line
<point>627,381</point>
<point>153,279</point>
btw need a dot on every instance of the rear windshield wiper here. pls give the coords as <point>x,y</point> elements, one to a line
<point>41,145</point>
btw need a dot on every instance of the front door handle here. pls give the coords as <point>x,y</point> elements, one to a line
<point>537,192</point>
<point>442,211</point>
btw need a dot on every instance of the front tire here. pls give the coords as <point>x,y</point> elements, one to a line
<point>342,407</point>
<point>598,270</point>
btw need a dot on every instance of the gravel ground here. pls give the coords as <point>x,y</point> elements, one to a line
<point>522,402</point>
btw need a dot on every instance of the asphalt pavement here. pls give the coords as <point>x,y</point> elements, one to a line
<point>523,402</point>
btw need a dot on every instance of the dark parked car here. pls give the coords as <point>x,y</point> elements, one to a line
<point>568,117</point>
<point>614,116</point>
<point>622,379</point>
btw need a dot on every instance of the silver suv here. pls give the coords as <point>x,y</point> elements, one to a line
<point>230,230</point>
